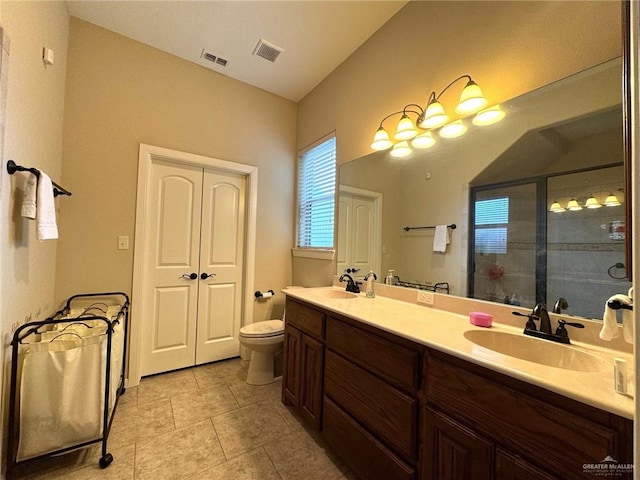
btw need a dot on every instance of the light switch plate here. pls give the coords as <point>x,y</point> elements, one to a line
<point>123,242</point>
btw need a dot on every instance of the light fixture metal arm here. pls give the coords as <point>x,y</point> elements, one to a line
<point>404,111</point>
<point>433,94</point>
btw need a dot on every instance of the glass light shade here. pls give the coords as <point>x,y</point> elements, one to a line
<point>573,205</point>
<point>488,116</point>
<point>381,140</point>
<point>556,207</point>
<point>434,116</point>
<point>424,140</point>
<point>612,201</point>
<point>453,129</point>
<point>592,202</point>
<point>471,99</point>
<point>401,149</point>
<point>406,129</point>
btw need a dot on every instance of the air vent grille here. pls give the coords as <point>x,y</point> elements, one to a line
<point>267,50</point>
<point>223,62</point>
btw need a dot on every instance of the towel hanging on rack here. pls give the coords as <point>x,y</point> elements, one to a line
<point>12,168</point>
<point>441,238</point>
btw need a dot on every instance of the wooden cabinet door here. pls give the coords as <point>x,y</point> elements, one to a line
<point>509,467</point>
<point>312,363</point>
<point>291,366</point>
<point>452,451</point>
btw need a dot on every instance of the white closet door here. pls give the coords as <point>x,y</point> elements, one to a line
<point>173,250</point>
<point>357,234</point>
<point>222,256</point>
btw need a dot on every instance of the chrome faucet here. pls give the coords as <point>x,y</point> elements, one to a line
<point>540,311</point>
<point>561,304</point>
<point>351,285</point>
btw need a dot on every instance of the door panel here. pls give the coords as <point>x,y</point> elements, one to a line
<point>173,244</point>
<point>358,235</point>
<point>220,300</point>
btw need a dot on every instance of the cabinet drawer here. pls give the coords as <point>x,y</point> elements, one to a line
<point>369,458</point>
<point>305,318</point>
<point>397,364</point>
<point>381,408</point>
<point>524,423</point>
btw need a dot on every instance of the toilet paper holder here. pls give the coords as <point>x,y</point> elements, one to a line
<point>267,294</point>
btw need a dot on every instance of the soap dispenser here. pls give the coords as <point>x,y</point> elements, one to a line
<point>391,278</point>
<point>369,278</point>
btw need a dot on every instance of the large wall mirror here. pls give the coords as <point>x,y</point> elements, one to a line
<point>561,142</point>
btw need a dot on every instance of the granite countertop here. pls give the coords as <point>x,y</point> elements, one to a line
<point>445,331</point>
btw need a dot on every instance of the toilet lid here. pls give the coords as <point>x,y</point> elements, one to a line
<point>268,328</point>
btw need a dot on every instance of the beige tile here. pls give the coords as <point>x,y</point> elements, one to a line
<point>249,427</point>
<point>254,465</point>
<point>133,423</point>
<point>298,456</point>
<point>226,370</point>
<point>246,394</point>
<point>165,385</point>
<point>130,397</point>
<point>197,405</point>
<point>178,454</point>
<point>120,469</point>
<point>288,414</point>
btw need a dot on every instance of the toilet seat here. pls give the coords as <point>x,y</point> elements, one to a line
<point>264,329</point>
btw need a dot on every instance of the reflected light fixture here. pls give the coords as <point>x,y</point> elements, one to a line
<point>401,149</point>
<point>424,140</point>
<point>556,207</point>
<point>573,205</point>
<point>488,116</point>
<point>592,202</point>
<point>612,200</point>
<point>453,129</point>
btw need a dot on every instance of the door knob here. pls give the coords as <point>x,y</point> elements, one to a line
<point>191,276</point>
<point>204,276</point>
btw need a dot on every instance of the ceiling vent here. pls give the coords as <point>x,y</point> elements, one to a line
<point>267,50</point>
<point>214,58</point>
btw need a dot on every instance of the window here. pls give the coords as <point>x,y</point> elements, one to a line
<point>491,220</point>
<point>316,195</point>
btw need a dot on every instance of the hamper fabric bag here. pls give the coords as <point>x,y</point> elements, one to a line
<point>61,393</point>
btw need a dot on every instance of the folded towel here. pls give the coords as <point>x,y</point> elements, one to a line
<point>627,325</point>
<point>610,329</point>
<point>46,212</point>
<point>441,238</point>
<point>29,198</point>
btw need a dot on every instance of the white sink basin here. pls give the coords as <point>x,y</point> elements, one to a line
<point>340,294</point>
<point>543,352</point>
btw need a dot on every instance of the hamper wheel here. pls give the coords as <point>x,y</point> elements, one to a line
<point>121,391</point>
<point>106,460</point>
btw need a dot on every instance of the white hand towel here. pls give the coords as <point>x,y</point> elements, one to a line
<point>29,198</point>
<point>441,238</point>
<point>627,325</point>
<point>610,329</point>
<point>46,212</point>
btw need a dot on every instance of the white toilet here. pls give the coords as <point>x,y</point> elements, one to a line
<point>265,340</point>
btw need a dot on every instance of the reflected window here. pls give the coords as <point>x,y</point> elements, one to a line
<point>491,222</point>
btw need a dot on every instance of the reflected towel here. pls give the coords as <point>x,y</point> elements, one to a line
<point>46,212</point>
<point>441,239</point>
<point>610,329</point>
<point>29,198</point>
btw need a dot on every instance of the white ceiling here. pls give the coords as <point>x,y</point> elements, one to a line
<point>316,35</point>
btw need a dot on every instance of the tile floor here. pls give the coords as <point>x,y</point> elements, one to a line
<point>201,423</point>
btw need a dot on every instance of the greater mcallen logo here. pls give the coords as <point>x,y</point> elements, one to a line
<point>608,467</point>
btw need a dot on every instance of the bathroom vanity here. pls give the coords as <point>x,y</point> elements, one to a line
<point>399,393</point>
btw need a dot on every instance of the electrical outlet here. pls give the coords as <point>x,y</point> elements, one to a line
<point>123,242</point>
<point>425,298</point>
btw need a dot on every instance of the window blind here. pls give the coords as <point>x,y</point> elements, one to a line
<point>316,195</point>
<point>491,221</point>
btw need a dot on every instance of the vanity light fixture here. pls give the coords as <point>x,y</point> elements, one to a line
<point>556,207</point>
<point>612,201</point>
<point>416,124</point>
<point>573,205</point>
<point>592,202</point>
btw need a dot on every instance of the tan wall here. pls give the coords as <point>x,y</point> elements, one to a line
<point>508,47</point>
<point>32,137</point>
<point>121,93</point>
